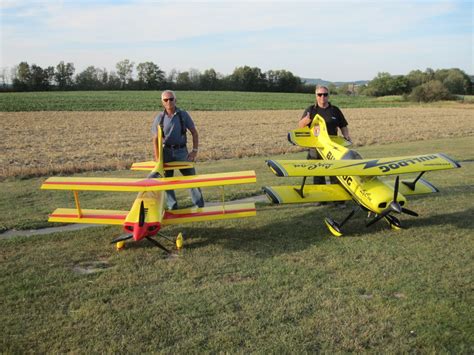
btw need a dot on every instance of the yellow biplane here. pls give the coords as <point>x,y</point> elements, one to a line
<point>148,214</point>
<point>358,178</point>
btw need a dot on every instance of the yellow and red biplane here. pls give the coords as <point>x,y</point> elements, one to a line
<point>148,213</point>
<point>358,178</point>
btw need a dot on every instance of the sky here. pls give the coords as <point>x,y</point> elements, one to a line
<point>335,40</point>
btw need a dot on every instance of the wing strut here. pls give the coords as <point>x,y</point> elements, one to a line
<point>300,190</point>
<point>78,204</point>
<point>411,185</point>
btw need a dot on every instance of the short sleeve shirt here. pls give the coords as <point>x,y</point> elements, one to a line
<point>332,115</point>
<point>172,126</point>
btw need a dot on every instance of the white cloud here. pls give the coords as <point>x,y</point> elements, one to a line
<point>303,37</point>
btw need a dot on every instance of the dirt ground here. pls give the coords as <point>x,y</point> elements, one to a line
<point>42,143</point>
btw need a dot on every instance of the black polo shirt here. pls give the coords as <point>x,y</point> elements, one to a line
<point>332,115</point>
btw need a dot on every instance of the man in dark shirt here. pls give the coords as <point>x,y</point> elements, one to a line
<point>332,116</point>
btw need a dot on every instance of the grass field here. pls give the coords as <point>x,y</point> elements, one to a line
<point>274,283</point>
<point>191,100</point>
<point>277,282</point>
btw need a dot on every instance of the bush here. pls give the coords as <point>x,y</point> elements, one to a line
<point>431,91</point>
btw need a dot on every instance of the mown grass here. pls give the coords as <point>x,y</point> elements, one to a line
<point>275,283</point>
<point>191,100</point>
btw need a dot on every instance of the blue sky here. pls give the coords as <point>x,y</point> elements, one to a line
<point>334,40</point>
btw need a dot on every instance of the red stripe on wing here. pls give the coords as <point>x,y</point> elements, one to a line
<point>95,216</point>
<point>147,182</point>
<point>170,215</point>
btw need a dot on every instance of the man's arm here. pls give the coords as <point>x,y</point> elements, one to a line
<point>193,154</point>
<point>155,147</point>
<point>345,133</point>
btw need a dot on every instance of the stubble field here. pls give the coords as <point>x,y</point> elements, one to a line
<point>44,143</point>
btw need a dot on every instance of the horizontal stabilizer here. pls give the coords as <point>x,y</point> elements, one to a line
<point>149,184</point>
<point>362,167</point>
<point>311,193</point>
<point>70,215</point>
<point>226,211</point>
<point>173,165</point>
<point>422,186</point>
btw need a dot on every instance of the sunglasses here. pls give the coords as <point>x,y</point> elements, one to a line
<point>170,99</point>
<point>325,94</point>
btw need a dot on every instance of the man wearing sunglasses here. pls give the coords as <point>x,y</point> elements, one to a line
<point>174,123</point>
<point>334,120</point>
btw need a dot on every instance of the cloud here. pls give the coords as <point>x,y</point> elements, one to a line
<point>298,36</point>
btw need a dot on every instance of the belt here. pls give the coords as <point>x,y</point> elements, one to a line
<point>175,146</point>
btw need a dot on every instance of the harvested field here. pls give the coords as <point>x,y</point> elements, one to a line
<point>43,143</point>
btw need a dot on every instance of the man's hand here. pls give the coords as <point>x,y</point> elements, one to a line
<point>305,121</point>
<point>192,155</point>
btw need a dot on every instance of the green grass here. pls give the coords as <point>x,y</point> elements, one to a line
<point>275,283</point>
<point>191,100</point>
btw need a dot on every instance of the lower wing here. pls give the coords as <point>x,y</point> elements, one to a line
<point>311,193</point>
<point>71,215</point>
<point>189,215</point>
<point>173,165</point>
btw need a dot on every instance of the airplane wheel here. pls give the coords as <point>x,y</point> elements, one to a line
<point>393,222</point>
<point>120,245</point>
<point>179,241</point>
<point>333,227</point>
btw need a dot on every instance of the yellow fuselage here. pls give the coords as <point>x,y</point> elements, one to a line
<point>368,191</point>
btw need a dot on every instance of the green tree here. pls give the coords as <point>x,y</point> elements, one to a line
<point>248,79</point>
<point>41,78</point>
<point>385,84</point>
<point>124,72</point>
<point>433,90</point>
<point>22,77</point>
<point>64,75</point>
<point>209,80</point>
<point>282,81</point>
<point>90,79</point>
<point>183,81</point>
<point>150,76</point>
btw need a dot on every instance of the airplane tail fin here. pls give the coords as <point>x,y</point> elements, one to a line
<point>315,136</point>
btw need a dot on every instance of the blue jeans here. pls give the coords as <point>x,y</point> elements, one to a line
<point>180,154</point>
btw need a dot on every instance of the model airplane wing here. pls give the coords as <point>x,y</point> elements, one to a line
<point>151,165</point>
<point>190,215</point>
<point>310,193</point>
<point>362,167</point>
<point>72,215</point>
<point>159,184</point>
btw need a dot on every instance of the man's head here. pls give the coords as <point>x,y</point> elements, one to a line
<point>322,96</point>
<point>168,99</point>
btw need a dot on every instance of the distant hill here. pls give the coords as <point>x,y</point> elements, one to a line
<point>337,83</point>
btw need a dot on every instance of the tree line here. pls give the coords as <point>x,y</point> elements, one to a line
<point>149,76</point>
<point>417,85</point>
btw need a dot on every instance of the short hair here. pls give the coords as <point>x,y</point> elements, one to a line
<point>168,92</point>
<point>321,87</point>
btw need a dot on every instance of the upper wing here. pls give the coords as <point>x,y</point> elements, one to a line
<point>362,167</point>
<point>160,184</point>
<point>173,165</point>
